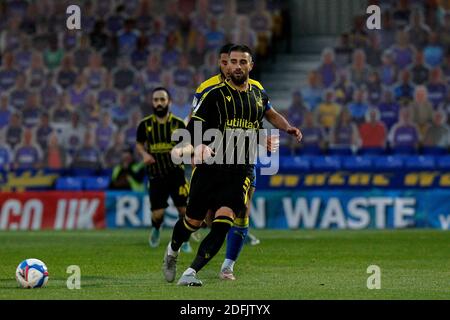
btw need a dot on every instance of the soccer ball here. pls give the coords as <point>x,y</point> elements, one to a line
<point>32,273</point>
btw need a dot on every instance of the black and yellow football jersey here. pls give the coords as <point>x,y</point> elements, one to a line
<point>156,137</point>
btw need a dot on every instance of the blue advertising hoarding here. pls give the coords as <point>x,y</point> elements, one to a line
<point>310,209</point>
<point>132,210</point>
<point>294,180</point>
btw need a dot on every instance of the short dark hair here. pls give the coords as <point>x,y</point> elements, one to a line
<point>241,48</point>
<point>162,89</point>
<point>226,48</point>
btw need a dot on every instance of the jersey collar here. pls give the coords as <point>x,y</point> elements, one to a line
<point>249,88</point>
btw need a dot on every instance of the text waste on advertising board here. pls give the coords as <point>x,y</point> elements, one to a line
<point>318,209</point>
<point>52,210</point>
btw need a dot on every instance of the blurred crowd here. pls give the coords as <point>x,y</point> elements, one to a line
<point>73,98</point>
<point>382,89</point>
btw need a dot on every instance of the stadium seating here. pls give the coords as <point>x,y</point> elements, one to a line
<point>69,184</point>
<point>355,163</point>
<point>83,172</point>
<point>99,183</point>
<point>105,172</point>
<point>443,163</point>
<point>75,52</point>
<point>387,163</point>
<point>321,79</point>
<point>285,151</point>
<point>372,151</point>
<point>420,163</point>
<point>309,150</point>
<point>403,150</point>
<point>437,151</point>
<point>325,163</point>
<point>295,163</point>
<point>340,151</point>
<point>311,157</point>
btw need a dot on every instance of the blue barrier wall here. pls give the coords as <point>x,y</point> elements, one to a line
<point>312,209</point>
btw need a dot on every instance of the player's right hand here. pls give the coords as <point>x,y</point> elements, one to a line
<point>176,153</point>
<point>202,153</point>
<point>148,159</point>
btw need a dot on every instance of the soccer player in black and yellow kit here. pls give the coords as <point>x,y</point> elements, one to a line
<point>232,105</point>
<point>154,144</point>
<point>238,234</point>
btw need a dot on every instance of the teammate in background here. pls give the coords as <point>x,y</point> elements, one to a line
<point>238,234</point>
<point>227,185</point>
<point>154,145</point>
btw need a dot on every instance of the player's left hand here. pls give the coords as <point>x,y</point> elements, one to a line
<point>296,133</point>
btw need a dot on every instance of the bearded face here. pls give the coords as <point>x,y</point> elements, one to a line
<point>161,102</point>
<point>160,111</point>
<point>239,77</point>
<point>240,66</point>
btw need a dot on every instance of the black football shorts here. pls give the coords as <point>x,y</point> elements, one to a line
<point>173,185</point>
<point>212,189</point>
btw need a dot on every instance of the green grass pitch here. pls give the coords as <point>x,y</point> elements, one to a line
<point>415,264</point>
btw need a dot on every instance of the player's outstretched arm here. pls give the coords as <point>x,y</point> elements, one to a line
<point>280,122</point>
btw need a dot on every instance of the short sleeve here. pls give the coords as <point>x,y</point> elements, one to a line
<point>206,113</point>
<point>200,94</point>
<point>181,125</point>
<point>141,136</point>
<point>205,107</point>
<point>266,101</point>
<point>197,97</point>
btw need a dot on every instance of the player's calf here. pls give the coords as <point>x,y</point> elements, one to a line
<point>157,220</point>
<point>212,242</point>
<point>182,232</point>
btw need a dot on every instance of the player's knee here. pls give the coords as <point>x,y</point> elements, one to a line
<point>157,214</point>
<point>195,223</point>
<point>225,212</point>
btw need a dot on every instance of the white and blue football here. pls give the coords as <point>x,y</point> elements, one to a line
<point>32,273</point>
